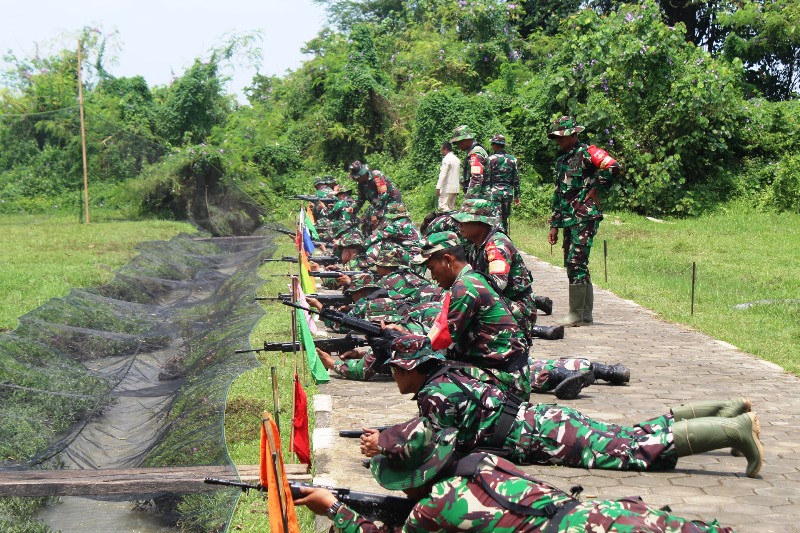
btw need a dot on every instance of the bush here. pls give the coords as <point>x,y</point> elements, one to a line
<point>786,187</point>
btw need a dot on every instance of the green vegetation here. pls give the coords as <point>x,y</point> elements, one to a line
<point>742,256</point>
<point>251,394</point>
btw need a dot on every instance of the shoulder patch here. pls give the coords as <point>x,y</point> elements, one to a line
<point>475,164</point>
<point>380,183</point>
<point>497,263</point>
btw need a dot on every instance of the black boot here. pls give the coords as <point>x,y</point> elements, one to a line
<point>569,383</point>
<point>614,374</point>
<point>550,333</point>
<point>544,304</point>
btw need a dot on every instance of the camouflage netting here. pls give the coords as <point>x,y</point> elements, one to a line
<point>134,373</point>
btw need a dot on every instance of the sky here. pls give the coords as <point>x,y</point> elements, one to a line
<point>159,40</point>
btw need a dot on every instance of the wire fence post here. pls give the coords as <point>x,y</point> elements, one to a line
<point>694,277</point>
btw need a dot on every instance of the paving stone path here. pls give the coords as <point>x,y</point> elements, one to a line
<point>670,364</point>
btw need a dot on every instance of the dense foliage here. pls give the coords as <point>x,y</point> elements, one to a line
<point>697,100</point>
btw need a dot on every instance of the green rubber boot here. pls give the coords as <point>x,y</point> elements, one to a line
<point>725,408</point>
<point>577,296</point>
<point>588,304</point>
<point>698,435</point>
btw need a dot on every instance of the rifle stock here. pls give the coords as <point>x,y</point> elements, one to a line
<point>391,510</point>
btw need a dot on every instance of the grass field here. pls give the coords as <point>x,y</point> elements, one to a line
<point>742,255</point>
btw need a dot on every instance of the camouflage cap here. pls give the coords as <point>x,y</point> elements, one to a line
<point>410,351</point>
<point>498,139</point>
<point>462,133</point>
<point>435,243</point>
<point>384,310</point>
<point>329,179</point>
<point>351,239</point>
<point>478,210</point>
<point>389,255</point>
<point>357,169</point>
<point>565,126</point>
<point>342,190</point>
<point>396,210</point>
<point>412,453</point>
<point>362,281</point>
<point>320,181</point>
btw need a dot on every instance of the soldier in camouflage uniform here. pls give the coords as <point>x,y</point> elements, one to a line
<point>504,178</point>
<point>325,188</point>
<point>350,248</point>
<point>396,228</point>
<point>476,326</point>
<point>400,281</point>
<point>527,433</point>
<point>576,209</point>
<point>475,180</point>
<point>494,255</point>
<point>341,219</point>
<point>484,493</point>
<point>375,188</point>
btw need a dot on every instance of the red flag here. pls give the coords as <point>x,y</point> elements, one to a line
<point>302,446</point>
<point>439,333</point>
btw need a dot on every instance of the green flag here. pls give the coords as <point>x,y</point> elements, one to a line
<point>319,372</point>
<point>310,225</point>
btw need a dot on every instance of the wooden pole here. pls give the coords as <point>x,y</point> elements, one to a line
<point>275,402</point>
<point>605,258</point>
<point>83,138</point>
<point>694,277</point>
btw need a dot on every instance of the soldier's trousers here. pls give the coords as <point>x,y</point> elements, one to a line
<point>523,309</point>
<point>577,244</point>
<point>558,435</point>
<point>630,514</point>
<point>503,197</point>
<point>517,382</point>
<point>541,368</point>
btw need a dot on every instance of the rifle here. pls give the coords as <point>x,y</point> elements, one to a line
<point>331,345</point>
<point>333,274</point>
<point>335,300</point>
<point>311,198</point>
<point>391,510</point>
<point>356,433</point>
<point>379,339</point>
<point>544,304</point>
<point>319,259</point>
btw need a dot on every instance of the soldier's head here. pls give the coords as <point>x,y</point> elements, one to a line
<point>565,132</point>
<point>412,361</point>
<point>320,183</point>
<point>476,219</point>
<point>498,143</point>
<point>412,456</point>
<point>463,137</point>
<point>358,171</point>
<point>350,244</point>
<point>444,256</point>
<point>390,258</point>
<point>446,148</point>
<point>361,286</point>
<point>343,193</point>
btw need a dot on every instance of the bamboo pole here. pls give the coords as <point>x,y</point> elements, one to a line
<point>83,138</point>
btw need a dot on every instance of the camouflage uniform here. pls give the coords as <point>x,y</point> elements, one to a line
<point>485,493</point>
<point>396,228</point>
<point>574,209</point>
<point>378,190</point>
<point>504,179</point>
<point>341,219</point>
<point>474,179</point>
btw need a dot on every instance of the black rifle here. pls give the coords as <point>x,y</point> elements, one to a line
<point>319,259</point>
<point>544,304</point>
<point>335,273</point>
<point>311,198</point>
<point>335,300</point>
<point>380,339</point>
<point>285,231</point>
<point>356,433</point>
<point>550,333</point>
<point>391,510</point>
<point>331,345</point>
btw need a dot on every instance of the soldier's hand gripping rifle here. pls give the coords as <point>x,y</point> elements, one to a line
<point>380,339</point>
<point>393,511</point>
<point>311,198</point>
<point>319,259</point>
<point>334,300</point>
<point>332,345</point>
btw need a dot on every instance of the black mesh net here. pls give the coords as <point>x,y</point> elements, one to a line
<point>135,373</point>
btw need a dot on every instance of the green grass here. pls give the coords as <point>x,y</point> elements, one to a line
<point>742,255</point>
<point>44,257</point>
<point>251,394</point>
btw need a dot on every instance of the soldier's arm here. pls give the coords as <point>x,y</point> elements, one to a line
<point>477,172</point>
<point>462,310</point>
<point>498,259</point>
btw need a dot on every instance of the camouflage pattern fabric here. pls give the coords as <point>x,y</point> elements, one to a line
<point>475,179</point>
<point>484,333</point>
<point>541,368</point>
<point>378,191</point>
<point>443,222</point>
<point>577,244</point>
<point>505,184</point>
<point>461,503</point>
<point>342,220</point>
<point>406,285</point>
<point>576,177</point>
<point>543,433</point>
<point>499,259</point>
<point>400,231</point>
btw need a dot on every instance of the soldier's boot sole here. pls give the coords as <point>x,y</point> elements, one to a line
<point>571,387</point>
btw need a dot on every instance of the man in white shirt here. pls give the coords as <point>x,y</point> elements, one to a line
<point>447,187</point>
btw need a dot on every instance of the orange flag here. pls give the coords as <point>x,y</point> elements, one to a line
<point>282,516</point>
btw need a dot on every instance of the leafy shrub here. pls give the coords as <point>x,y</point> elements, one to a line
<point>786,187</point>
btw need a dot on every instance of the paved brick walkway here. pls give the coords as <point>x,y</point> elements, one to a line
<point>669,364</point>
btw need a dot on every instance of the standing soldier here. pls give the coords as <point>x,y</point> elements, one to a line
<point>474,177</point>
<point>377,189</point>
<point>484,493</point>
<point>504,179</point>
<point>580,170</point>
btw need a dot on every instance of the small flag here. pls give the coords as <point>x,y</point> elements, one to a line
<point>318,370</point>
<point>301,444</point>
<point>439,333</point>
<point>301,299</point>
<point>307,283</point>
<point>306,244</point>
<point>282,516</point>
<point>310,225</point>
